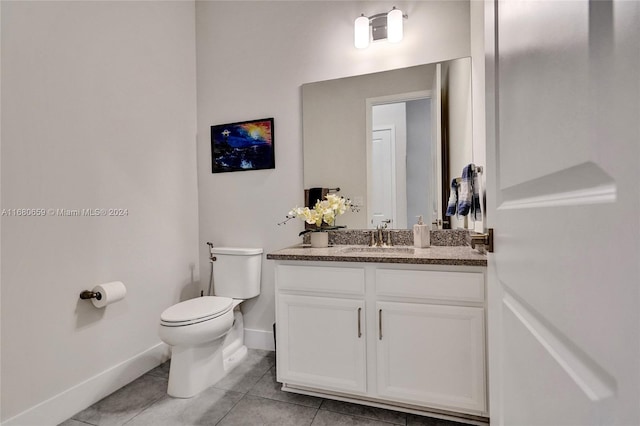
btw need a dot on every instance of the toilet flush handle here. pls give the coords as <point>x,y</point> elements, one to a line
<point>212,258</point>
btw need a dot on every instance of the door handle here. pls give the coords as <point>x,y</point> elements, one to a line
<point>359,323</point>
<point>380,323</point>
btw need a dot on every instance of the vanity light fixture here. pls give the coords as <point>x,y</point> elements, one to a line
<point>383,25</point>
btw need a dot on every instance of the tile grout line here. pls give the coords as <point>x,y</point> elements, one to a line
<point>366,418</point>
<point>271,397</point>
<point>267,399</point>
<point>82,421</point>
<point>231,409</point>
<point>145,408</point>
<point>406,420</point>
<point>140,412</point>
<point>243,396</point>
<point>149,373</point>
<point>287,402</point>
<point>314,416</point>
<point>320,408</point>
<point>278,400</point>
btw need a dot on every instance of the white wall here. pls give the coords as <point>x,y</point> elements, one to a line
<point>420,187</point>
<point>0,207</point>
<point>252,58</point>
<point>476,12</point>
<point>98,107</point>
<point>457,86</point>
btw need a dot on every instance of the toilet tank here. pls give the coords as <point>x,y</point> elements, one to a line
<point>236,272</point>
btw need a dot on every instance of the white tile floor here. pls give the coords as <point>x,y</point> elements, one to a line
<point>249,395</point>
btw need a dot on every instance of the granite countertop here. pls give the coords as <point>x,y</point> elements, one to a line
<point>434,255</point>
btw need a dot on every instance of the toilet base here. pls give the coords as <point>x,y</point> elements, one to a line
<point>195,368</point>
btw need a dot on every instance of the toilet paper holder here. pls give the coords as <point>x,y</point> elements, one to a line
<point>88,294</point>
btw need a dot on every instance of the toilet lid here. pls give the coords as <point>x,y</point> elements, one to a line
<point>196,310</point>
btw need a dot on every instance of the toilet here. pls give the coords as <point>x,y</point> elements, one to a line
<point>206,334</point>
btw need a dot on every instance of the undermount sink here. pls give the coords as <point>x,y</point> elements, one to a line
<point>368,249</point>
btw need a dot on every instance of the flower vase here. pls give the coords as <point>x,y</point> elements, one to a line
<point>319,239</point>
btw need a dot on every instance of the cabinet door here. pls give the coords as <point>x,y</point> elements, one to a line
<point>431,355</point>
<point>321,343</point>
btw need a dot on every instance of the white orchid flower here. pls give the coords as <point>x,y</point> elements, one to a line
<point>323,211</point>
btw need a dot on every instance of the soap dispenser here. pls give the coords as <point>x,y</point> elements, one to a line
<point>421,234</point>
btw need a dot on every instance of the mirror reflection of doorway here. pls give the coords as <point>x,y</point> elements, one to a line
<point>401,163</point>
<point>383,161</point>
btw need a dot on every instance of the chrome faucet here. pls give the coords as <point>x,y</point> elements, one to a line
<point>377,236</point>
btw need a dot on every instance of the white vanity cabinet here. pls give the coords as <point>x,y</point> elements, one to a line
<point>403,336</point>
<point>431,339</point>
<point>325,347</point>
<point>320,318</point>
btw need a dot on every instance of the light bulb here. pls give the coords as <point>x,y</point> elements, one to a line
<point>361,32</point>
<point>394,25</point>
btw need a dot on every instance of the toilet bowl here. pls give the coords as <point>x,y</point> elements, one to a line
<point>206,334</point>
<point>195,329</point>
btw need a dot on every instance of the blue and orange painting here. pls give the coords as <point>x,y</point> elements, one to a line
<point>247,145</point>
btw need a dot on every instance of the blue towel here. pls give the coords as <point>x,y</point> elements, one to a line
<point>476,211</point>
<point>465,190</point>
<point>452,205</point>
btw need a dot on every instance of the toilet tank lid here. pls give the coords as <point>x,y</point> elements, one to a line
<point>236,251</point>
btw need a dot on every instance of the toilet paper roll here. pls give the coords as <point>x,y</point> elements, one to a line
<point>109,293</point>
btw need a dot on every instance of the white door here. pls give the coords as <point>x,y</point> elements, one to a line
<point>563,94</point>
<point>382,191</point>
<point>432,355</point>
<point>323,343</point>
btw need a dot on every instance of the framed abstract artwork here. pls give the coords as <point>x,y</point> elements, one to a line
<point>246,145</point>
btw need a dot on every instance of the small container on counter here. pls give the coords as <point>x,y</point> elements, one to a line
<point>421,234</point>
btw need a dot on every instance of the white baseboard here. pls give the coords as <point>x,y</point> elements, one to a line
<point>259,339</point>
<point>64,405</point>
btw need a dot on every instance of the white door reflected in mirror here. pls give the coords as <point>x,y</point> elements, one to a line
<point>383,188</point>
<point>399,186</point>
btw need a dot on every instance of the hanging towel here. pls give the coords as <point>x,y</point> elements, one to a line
<point>476,209</point>
<point>465,191</point>
<point>452,205</point>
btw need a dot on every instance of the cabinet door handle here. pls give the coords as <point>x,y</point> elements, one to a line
<point>380,323</point>
<point>359,323</point>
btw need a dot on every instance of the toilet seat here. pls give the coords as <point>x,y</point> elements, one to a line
<point>196,310</point>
